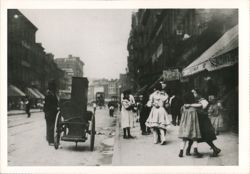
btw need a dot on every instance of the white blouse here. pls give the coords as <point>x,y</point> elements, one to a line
<point>204,103</point>
<point>157,99</point>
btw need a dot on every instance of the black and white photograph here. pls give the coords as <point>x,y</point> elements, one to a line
<point>138,86</point>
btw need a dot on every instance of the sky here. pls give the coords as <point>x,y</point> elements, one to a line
<point>98,36</point>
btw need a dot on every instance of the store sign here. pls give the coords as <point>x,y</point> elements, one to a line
<point>194,69</point>
<point>171,74</point>
<point>224,60</point>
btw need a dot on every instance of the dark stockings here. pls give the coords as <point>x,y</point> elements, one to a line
<point>216,150</point>
<point>126,133</point>
<point>211,144</point>
<point>189,148</point>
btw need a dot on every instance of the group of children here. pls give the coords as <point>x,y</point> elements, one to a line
<point>190,128</point>
<point>196,125</point>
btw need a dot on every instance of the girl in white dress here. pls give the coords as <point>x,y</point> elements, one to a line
<point>158,119</point>
<point>126,114</point>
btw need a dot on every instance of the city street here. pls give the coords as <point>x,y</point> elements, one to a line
<point>153,62</point>
<point>27,144</point>
<point>141,151</point>
<point>110,147</point>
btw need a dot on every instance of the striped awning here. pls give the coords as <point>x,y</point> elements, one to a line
<point>32,94</point>
<point>13,91</point>
<point>216,57</point>
<point>39,93</point>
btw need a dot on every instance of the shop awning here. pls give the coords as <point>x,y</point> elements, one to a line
<point>13,91</point>
<point>215,53</point>
<point>39,93</point>
<point>32,93</point>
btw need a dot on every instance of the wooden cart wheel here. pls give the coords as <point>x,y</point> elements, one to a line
<point>57,130</point>
<point>92,133</point>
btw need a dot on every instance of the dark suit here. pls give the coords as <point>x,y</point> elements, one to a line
<point>50,110</point>
<point>175,108</point>
<point>111,110</point>
<point>144,113</point>
<point>28,107</point>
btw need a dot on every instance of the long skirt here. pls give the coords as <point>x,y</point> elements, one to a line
<point>127,118</point>
<point>158,118</point>
<point>206,128</point>
<point>189,125</point>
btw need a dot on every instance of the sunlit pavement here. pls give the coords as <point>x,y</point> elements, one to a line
<point>27,146</point>
<point>142,151</point>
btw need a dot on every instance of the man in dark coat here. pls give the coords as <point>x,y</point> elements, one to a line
<point>144,113</point>
<point>111,107</point>
<point>28,104</point>
<point>50,110</point>
<point>175,108</point>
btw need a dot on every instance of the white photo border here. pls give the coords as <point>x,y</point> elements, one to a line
<point>243,9</point>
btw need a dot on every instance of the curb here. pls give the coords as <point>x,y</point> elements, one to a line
<point>20,113</point>
<point>117,145</point>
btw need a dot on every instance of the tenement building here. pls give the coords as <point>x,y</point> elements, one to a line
<point>187,48</point>
<point>72,66</point>
<point>29,68</point>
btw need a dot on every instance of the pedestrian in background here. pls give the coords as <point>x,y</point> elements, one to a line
<point>126,114</point>
<point>189,125</point>
<point>94,106</point>
<point>50,110</point>
<point>139,107</point>
<point>27,106</point>
<point>133,108</point>
<point>111,108</point>
<point>175,108</point>
<point>21,104</point>
<point>144,113</point>
<point>158,119</point>
<point>215,114</point>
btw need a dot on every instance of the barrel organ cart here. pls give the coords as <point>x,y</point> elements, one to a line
<point>74,122</point>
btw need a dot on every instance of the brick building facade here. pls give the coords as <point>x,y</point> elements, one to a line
<point>72,66</point>
<point>29,66</point>
<point>169,40</point>
<point>163,39</point>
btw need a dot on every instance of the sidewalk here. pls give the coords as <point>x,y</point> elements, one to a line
<point>18,112</point>
<point>142,152</point>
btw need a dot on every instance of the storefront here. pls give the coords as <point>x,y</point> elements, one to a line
<point>215,72</point>
<point>40,102</point>
<point>34,96</point>
<point>15,98</point>
<point>172,77</point>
